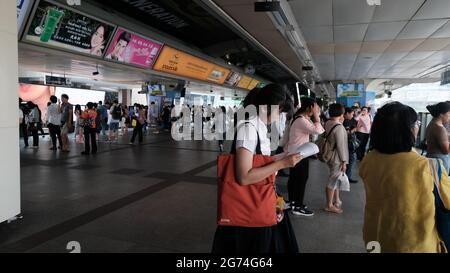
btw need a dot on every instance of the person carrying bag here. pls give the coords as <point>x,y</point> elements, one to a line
<point>247,219</point>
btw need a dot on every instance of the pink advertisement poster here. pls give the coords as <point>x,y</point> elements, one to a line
<point>133,49</point>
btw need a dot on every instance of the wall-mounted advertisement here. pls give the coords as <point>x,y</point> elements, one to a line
<point>254,83</point>
<point>63,28</point>
<point>245,82</point>
<point>350,89</point>
<point>179,63</point>
<point>233,78</point>
<point>22,9</point>
<point>133,49</point>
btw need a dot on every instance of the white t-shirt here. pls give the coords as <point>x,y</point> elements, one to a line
<point>247,136</point>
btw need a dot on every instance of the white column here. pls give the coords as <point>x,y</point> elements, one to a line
<point>9,113</point>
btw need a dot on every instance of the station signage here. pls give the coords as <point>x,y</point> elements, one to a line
<point>245,82</point>
<point>64,28</point>
<point>180,63</point>
<point>133,49</point>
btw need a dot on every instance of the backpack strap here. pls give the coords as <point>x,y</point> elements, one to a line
<point>332,129</point>
<point>258,145</point>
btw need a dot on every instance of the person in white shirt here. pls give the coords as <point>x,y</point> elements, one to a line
<point>53,121</point>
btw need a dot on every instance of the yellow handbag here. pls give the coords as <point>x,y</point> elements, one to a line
<point>134,123</point>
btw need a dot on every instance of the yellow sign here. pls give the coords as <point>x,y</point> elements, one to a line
<point>253,84</point>
<point>245,82</point>
<point>179,63</point>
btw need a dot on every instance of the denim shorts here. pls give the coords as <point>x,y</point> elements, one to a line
<point>114,126</point>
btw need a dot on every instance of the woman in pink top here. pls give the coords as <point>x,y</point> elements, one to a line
<point>363,132</point>
<point>301,129</point>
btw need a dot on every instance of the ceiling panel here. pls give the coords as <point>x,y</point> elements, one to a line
<point>349,33</point>
<point>433,44</point>
<point>396,10</point>
<point>375,47</point>
<point>346,12</point>
<point>321,48</point>
<point>404,45</point>
<point>433,9</point>
<point>347,48</point>
<point>384,31</point>
<point>318,34</point>
<point>418,55</point>
<point>306,11</point>
<point>420,29</point>
<point>344,64</point>
<point>443,32</point>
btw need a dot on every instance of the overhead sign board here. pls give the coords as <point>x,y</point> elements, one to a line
<point>245,82</point>
<point>64,28</point>
<point>180,63</point>
<point>133,49</point>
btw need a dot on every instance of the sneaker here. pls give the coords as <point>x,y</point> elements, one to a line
<point>287,205</point>
<point>353,181</point>
<point>302,211</point>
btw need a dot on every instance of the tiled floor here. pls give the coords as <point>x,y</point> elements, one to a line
<point>156,197</point>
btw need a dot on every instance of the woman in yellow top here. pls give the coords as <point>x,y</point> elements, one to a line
<point>400,209</point>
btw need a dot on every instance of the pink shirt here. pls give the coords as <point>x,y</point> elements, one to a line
<point>364,124</point>
<point>300,131</point>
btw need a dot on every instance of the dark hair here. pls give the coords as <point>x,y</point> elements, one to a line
<point>365,107</point>
<point>90,105</point>
<point>49,103</point>
<point>271,94</point>
<point>65,96</point>
<point>349,110</point>
<point>336,110</point>
<point>78,107</point>
<point>437,109</point>
<point>31,105</point>
<point>53,99</point>
<point>306,103</point>
<point>100,103</point>
<point>125,36</point>
<point>116,101</point>
<point>391,130</point>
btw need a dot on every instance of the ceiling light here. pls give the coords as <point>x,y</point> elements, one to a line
<point>373,2</point>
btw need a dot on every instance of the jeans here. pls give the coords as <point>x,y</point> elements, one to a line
<point>90,135</point>
<point>55,132</point>
<point>351,163</point>
<point>138,130</point>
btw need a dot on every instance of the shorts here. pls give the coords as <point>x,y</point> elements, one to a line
<point>65,129</point>
<point>114,126</point>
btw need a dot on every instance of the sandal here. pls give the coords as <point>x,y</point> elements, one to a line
<point>338,204</point>
<point>334,210</point>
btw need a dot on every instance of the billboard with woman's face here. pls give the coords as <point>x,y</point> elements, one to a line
<point>133,49</point>
<point>64,28</point>
<point>37,94</point>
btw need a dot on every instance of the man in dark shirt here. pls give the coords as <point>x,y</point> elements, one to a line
<point>350,125</point>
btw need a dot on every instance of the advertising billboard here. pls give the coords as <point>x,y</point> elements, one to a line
<point>254,83</point>
<point>233,78</point>
<point>22,10</point>
<point>133,49</point>
<point>350,89</point>
<point>245,82</point>
<point>63,28</point>
<point>179,63</point>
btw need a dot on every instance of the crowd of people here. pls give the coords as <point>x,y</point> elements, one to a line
<point>402,190</point>
<point>96,122</point>
<point>401,186</point>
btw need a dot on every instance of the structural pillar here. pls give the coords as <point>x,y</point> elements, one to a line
<point>9,113</point>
